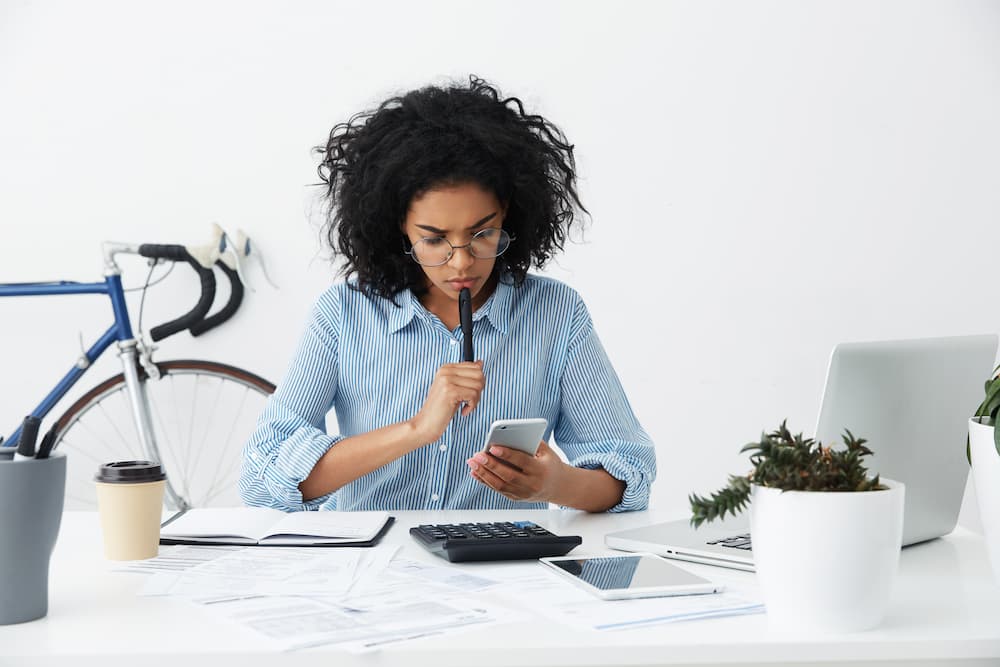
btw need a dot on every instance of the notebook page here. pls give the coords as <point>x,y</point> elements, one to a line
<point>248,522</point>
<point>347,525</point>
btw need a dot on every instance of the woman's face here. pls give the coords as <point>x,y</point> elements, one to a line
<point>454,213</point>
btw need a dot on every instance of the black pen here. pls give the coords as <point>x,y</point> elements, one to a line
<point>29,434</point>
<point>46,445</point>
<point>465,315</point>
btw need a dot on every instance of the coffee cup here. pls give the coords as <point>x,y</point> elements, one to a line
<point>130,502</point>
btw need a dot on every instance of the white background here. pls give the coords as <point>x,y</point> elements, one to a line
<point>765,179</point>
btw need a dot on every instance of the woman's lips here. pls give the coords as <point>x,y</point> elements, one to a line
<point>459,285</point>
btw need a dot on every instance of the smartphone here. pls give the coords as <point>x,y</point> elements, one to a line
<point>520,434</point>
<point>640,575</point>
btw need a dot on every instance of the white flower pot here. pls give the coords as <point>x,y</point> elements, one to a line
<point>986,477</point>
<point>826,561</point>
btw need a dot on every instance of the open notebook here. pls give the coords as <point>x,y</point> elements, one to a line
<point>269,527</point>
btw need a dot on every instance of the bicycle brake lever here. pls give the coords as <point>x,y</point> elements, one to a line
<point>249,250</point>
<point>230,256</point>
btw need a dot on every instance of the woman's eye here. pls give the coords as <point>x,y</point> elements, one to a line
<point>434,240</point>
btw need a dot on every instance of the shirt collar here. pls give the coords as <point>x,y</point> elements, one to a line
<point>401,316</point>
<point>496,309</point>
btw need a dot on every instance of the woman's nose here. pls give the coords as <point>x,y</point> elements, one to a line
<point>461,258</point>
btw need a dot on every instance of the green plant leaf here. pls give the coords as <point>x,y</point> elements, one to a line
<point>996,436</point>
<point>992,397</point>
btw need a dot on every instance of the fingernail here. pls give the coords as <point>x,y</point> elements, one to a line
<point>481,458</point>
<point>498,451</point>
<point>473,464</point>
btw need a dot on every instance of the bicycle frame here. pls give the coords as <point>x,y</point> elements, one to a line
<point>120,331</point>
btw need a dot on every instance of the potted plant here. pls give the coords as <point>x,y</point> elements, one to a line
<point>983,450</point>
<point>826,536</point>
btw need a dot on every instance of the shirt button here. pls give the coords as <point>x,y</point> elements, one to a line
<point>434,496</point>
<point>443,447</point>
<point>454,342</point>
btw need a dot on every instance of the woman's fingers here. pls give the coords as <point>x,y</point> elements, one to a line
<point>493,480</point>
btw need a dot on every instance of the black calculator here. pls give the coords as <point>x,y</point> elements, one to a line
<point>503,540</point>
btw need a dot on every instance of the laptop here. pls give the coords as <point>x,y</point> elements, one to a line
<point>911,400</point>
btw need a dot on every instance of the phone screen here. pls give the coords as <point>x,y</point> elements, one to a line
<point>628,572</point>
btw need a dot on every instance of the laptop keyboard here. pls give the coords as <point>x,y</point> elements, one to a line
<point>734,542</point>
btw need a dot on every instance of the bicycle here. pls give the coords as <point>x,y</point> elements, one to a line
<point>180,410</point>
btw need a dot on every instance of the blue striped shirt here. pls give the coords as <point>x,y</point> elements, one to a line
<point>373,362</point>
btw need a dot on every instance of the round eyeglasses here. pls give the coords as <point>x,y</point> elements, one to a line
<point>437,250</point>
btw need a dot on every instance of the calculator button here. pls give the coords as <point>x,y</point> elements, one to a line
<point>497,540</point>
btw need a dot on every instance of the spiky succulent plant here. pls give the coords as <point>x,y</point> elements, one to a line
<point>791,463</point>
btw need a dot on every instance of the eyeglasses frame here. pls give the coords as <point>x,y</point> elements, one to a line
<point>451,253</point>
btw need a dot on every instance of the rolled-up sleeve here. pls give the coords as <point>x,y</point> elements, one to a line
<point>596,426</point>
<point>290,435</point>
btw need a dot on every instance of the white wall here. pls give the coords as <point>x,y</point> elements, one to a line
<point>766,178</point>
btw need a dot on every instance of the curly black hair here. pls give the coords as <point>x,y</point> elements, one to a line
<point>374,165</point>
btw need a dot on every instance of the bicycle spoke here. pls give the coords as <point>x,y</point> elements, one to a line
<point>83,451</point>
<point>231,478</point>
<point>80,490</point>
<point>165,444</point>
<point>127,445</point>
<point>179,422</point>
<point>203,445</point>
<point>223,451</point>
<point>113,425</point>
<point>190,438</point>
<point>195,460</point>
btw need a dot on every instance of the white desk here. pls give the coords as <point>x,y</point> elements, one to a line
<point>945,610</point>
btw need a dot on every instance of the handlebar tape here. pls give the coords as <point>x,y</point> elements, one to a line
<point>178,253</point>
<point>227,311</point>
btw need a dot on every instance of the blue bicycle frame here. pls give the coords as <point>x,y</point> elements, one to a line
<point>120,331</point>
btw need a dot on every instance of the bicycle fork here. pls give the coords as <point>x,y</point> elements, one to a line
<point>141,414</point>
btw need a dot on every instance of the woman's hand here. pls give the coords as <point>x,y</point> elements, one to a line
<point>453,384</point>
<point>520,476</point>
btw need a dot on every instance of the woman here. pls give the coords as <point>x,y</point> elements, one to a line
<point>432,192</point>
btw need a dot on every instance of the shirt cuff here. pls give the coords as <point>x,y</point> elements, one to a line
<point>295,460</point>
<point>637,482</point>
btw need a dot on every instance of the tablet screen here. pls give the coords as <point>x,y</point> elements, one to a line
<point>627,572</point>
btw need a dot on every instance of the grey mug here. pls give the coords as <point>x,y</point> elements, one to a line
<point>31,504</point>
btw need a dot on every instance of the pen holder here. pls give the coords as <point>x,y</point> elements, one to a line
<point>31,504</point>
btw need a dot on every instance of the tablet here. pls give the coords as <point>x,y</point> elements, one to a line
<point>642,575</point>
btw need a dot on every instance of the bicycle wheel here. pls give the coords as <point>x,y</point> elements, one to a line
<point>202,414</point>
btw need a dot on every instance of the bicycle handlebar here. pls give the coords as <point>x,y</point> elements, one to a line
<point>179,253</point>
<point>227,311</point>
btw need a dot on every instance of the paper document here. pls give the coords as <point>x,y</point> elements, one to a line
<point>174,558</point>
<point>390,609</point>
<point>248,571</point>
<point>532,585</point>
<point>454,577</point>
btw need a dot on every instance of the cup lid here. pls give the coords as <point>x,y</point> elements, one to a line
<point>129,472</point>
